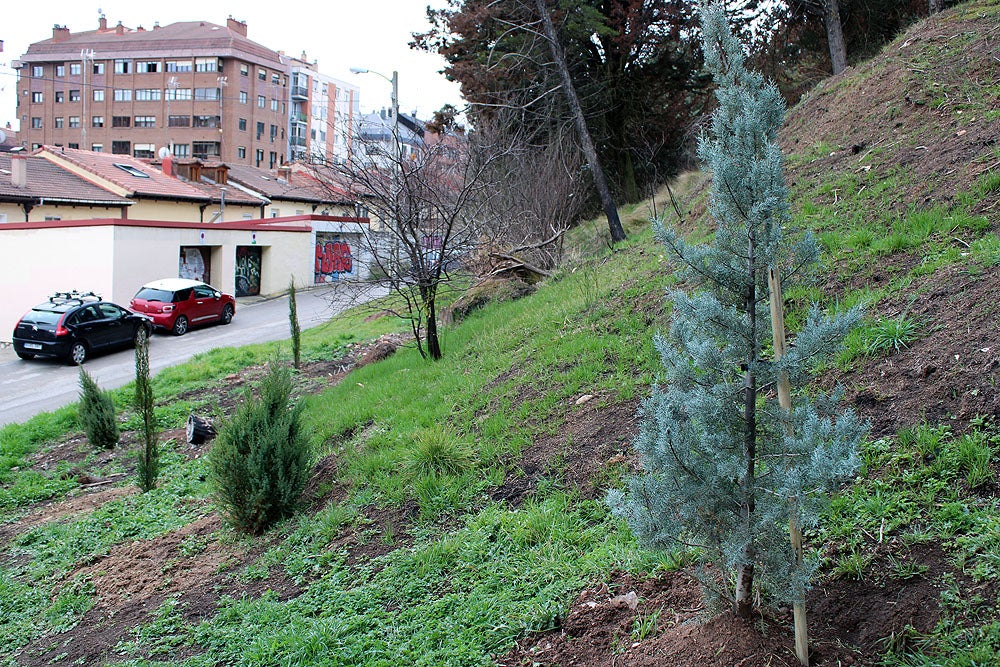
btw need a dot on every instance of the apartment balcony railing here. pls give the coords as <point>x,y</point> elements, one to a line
<point>298,141</point>
<point>300,93</point>
<point>299,119</point>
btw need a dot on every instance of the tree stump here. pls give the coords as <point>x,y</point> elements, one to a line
<point>199,430</point>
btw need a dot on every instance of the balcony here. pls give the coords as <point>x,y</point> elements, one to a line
<point>300,93</point>
<point>299,119</point>
<point>298,141</point>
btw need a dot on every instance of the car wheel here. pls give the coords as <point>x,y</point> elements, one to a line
<point>180,326</point>
<point>227,314</point>
<point>24,355</point>
<point>78,353</point>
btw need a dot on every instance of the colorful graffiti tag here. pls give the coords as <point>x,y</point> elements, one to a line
<point>248,263</point>
<point>333,257</point>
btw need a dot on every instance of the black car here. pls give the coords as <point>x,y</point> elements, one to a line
<point>72,326</point>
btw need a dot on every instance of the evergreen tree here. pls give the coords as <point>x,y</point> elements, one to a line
<point>293,324</point>
<point>148,468</point>
<point>261,459</point>
<point>97,413</point>
<point>724,464</point>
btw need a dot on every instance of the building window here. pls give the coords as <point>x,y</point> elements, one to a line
<point>121,121</point>
<point>74,121</point>
<point>36,123</point>
<point>179,66</point>
<point>243,97</point>
<point>244,69</point>
<point>206,121</point>
<point>260,156</point>
<point>260,129</point>
<point>58,122</point>
<point>148,67</point>
<point>178,121</point>
<point>261,74</point>
<point>206,64</point>
<point>60,95</point>
<point>206,93</point>
<point>147,94</point>
<point>97,148</point>
<point>75,69</point>
<point>274,132</point>
<point>123,66</point>
<point>179,94</point>
<point>37,98</point>
<point>60,70</point>
<point>72,145</point>
<point>273,160</point>
<point>274,105</point>
<point>98,94</point>
<point>204,149</point>
<point>182,150</point>
<point>144,150</point>
<point>74,96</point>
<point>97,121</point>
<point>37,71</point>
<point>98,68</point>
<point>121,147</point>
<point>121,95</point>
<point>145,121</point>
<point>261,101</point>
<point>275,79</point>
<point>241,152</point>
<point>243,124</point>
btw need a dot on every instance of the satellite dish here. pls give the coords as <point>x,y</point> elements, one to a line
<point>3,136</point>
<point>163,152</point>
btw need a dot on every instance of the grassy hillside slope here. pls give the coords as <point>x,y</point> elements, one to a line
<point>455,515</point>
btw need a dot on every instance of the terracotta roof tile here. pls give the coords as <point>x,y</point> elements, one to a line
<point>50,181</point>
<point>297,187</point>
<point>152,183</point>
<point>182,39</point>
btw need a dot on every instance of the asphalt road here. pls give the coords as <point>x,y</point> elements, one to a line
<point>30,387</point>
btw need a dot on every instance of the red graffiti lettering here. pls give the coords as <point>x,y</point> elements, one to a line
<point>333,257</point>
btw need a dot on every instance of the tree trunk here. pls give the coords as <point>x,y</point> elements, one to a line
<point>199,430</point>
<point>835,35</point>
<point>744,583</point>
<point>600,181</point>
<point>433,345</point>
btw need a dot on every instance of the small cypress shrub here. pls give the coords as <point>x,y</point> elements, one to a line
<point>97,413</point>
<point>148,468</point>
<point>260,462</point>
<point>293,323</point>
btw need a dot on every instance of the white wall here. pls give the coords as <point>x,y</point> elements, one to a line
<point>35,263</point>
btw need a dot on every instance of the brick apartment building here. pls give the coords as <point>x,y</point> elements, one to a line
<point>201,89</point>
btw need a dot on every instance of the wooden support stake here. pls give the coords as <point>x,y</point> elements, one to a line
<point>785,401</point>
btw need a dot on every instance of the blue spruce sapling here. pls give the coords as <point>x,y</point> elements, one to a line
<point>724,463</point>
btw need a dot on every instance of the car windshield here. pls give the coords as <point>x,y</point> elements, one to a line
<point>150,294</point>
<point>43,317</point>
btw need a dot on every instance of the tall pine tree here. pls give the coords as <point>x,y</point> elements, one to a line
<point>724,463</point>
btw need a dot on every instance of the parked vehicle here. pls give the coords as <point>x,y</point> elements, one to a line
<point>177,304</point>
<point>72,326</point>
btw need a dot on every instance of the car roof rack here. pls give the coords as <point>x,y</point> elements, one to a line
<point>66,297</point>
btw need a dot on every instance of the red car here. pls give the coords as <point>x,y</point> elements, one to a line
<point>177,304</point>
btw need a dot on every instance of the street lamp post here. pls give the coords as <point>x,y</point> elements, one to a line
<point>394,80</point>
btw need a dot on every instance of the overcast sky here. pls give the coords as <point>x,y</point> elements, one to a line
<point>340,34</point>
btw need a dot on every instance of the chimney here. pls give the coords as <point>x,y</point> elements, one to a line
<point>102,24</point>
<point>19,170</point>
<point>140,29</point>
<point>284,173</point>
<point>156,25</point>
<point>60,33</point>
<point>167,165</point>
<point>237,26</point>
<point>119,29</point>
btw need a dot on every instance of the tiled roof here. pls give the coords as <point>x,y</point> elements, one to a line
<point>152,184</point>
<point>182,39</point>
<point>49,181</point>
<point>298,187</point>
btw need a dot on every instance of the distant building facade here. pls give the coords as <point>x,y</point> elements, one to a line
<point>323,111</point>
<point>199,89</point>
